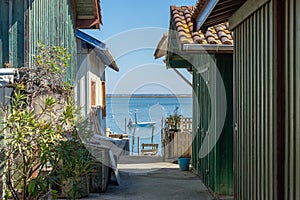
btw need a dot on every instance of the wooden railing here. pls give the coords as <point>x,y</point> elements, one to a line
<point>186,125</point>
<point>177,142</point>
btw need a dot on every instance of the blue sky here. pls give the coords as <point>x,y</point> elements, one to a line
<point>132,30</point>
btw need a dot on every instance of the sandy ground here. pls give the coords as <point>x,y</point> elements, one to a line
<point>151,179</point>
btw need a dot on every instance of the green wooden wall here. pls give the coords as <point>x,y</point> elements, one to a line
<point>25,22</point>
<point>11,37</point>
<point>267,76</point>
<point>215,169</point>
<point>292,99</point>
<point>255,77</point>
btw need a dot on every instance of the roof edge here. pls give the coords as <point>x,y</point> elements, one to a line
<point>162,46</point>
<point>209,48</point>
<point>90,39</point>
<point>112,63</point>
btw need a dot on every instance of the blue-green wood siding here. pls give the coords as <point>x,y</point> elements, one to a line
<point>30,21</point>
<point>215,169</point>
<point>255,89</point>
<point>257,79</point>
<point>4,33</point>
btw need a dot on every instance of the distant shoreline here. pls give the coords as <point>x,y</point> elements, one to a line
<point>149,96</point>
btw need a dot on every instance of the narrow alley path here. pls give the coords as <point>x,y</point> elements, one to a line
<point>154,180</point>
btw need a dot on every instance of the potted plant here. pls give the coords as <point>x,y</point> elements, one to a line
<point>71,170</point>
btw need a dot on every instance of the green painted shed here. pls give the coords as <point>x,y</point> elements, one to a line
<point>208,55</point>
<point>266,94</point>
<point>25,22</point>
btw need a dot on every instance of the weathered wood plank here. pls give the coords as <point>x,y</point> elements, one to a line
<point>152,151</point>
<point>149,145</point>
<point>149,150</point>
<point>175,146</point>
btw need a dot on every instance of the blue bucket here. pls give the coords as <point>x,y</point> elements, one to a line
<point>184,164</point>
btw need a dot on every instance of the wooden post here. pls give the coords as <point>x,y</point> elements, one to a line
<point>125,125</point>
<point>175,145</point>
<point>132,148</point>
<point>135,119</point>
<point>163,140</point>
<point>152,137</point>
<point>139,146</point>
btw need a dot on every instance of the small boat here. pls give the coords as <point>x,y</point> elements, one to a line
<point>141,124</point>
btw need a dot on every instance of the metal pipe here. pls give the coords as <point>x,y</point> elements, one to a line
<point>135,119</point>
<point>183,78</point>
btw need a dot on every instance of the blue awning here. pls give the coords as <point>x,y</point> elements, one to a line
<point>100,49</point>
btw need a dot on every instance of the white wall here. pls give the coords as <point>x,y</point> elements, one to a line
<point>89,68</point>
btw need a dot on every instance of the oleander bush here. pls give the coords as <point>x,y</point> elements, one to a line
<point>39,138</point>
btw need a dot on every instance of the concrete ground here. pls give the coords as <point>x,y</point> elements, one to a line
<point>149,178</point>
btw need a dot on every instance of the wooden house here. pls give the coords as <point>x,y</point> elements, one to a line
<point>208,55</point>
<point>54,22</point>
<point>93,58</point>
<point>267,103</point>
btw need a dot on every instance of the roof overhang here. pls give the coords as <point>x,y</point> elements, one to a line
<point>179,56</point>
<point>180,59</point>
<point>100,49</point>
<point>181,49</point>
<point>87,13</point>
<point>212,12</point>
<point>162,47</point>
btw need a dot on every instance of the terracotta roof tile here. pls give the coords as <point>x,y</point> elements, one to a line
<point>182,19</point>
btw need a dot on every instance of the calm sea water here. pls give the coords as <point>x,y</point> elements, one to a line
<point>146,109</point>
